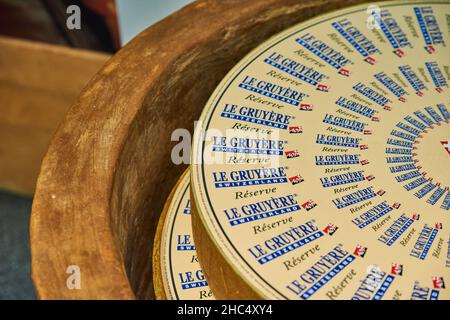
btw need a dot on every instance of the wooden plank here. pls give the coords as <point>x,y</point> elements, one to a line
<point>38,83</point>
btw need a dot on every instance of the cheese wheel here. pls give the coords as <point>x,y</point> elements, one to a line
<point>320,165</point>
<point>176,272</point>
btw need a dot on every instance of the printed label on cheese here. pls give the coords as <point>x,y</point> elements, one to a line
<point>182,276</point>
<point>331,175</point>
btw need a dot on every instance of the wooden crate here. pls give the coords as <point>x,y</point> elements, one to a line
<point>38,83</point>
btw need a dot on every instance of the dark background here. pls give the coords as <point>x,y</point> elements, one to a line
<point>15,278</point>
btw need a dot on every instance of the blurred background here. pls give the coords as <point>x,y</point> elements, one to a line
<point>43,67</point>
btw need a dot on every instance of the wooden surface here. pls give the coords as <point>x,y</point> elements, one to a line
<point>108,170</point>
<point>38,84</point>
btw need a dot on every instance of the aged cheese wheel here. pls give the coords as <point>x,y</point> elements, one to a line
<point>108,170</point>
<point>320,169</point>
<point>176,272</point>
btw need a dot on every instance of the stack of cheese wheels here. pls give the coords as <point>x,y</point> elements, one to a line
<point>176,272</point>
<point>320,165</point>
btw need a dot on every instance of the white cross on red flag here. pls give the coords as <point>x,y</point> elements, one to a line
<point>446,146</point>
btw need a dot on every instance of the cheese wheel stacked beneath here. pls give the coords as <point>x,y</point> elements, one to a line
<point>176,261</point>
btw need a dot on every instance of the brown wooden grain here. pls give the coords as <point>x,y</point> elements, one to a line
<point>108,170</point>
<point>158,284</point>
<point>38,84</point>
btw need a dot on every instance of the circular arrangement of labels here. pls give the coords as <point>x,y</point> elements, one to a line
<point>321,162</point>
<point>182,277</point>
